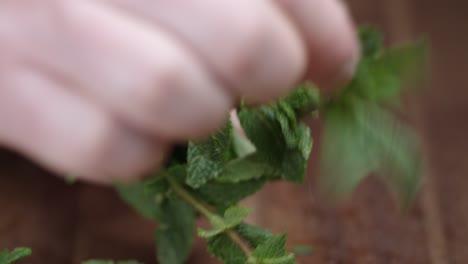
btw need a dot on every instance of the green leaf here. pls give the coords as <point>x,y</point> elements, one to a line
<point>95,261</point>
<point>135,196</point>
<point>304,99</point>
<point>223,195</point>
<point>401,164</point>
<point>361,134</point>
<point>406,61</point>
<point>254,235</point>
<point>233,216</point>
<point>146,196</point>
<point>345,156</point>
<point>206,158</point>
<point>296,135</point>
<point>157,189</point>
<point>243,169</point>
<point>303,250</point>
<point>272,247</point>
<point>7,257</point>
<point>226,250</point>
<point>363,138</point>
<point>282,143</point>
<point>371,41</point>
<point>175,233</point>
<point>382,74</point>
<point>272,251</point>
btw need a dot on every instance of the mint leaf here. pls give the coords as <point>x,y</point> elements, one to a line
<point>223,195</point>
<point>146,196</point>
<point>381,74</point>
<point>157,188</point>
<point>254,235</point>
<point>175,233</point>
<point>303,250</point>
<point>371,41</point>
<point>407,61</point>
<point>345,156</point>
<point>362,138</point>
<point>282,142</point>
<point>233,216</point>
<point>361,134</point>
<point>7,257</point>
<point>95,261</point>
<point>135,196</point>
<point>304,99</point>
<point>401,162</point>
<point>226,250</point>
<point>272,247</point>
<point>206,158</point>
<point>272,251</point>
<point>296,135</point>
<point>243,169</point>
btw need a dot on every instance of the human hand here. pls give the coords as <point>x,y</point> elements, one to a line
<point>102,88</point>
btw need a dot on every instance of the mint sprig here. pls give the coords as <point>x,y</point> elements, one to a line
<point>362,136</point>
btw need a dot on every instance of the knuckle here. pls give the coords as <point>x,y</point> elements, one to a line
<point>158,86</point>
<point>250,36</point>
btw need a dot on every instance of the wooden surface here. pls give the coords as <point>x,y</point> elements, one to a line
<point>65,224</point>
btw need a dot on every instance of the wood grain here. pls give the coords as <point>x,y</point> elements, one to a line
<point>65,224</point>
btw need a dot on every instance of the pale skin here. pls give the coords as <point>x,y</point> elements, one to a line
<point>101,89</point>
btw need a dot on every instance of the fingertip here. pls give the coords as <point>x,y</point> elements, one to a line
<point>123,156</point>
<point>339,74</point>
<point>334,58</point>
<point>331,40</point>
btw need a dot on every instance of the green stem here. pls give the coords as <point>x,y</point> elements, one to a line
<point>186,196</point>
<point>238,240</point>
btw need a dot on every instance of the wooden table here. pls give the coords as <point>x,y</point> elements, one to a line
<point>67,223</point>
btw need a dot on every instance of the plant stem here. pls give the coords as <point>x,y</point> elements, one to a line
<point>182,193</point>
<point>186,196</point>
<point>238,240</point>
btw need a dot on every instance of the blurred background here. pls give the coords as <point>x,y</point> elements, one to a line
<point>68,223</point>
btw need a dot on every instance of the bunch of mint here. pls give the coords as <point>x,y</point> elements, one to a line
<point>208,178</point>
